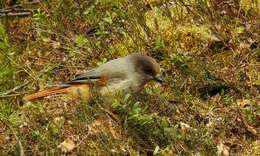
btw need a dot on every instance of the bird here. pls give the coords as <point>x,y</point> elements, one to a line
<point>129,73</point>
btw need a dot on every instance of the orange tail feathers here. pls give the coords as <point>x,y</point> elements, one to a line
<point>47,92</point>
<point>82,90</point>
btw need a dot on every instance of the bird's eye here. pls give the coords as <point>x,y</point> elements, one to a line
<point>149,71</point>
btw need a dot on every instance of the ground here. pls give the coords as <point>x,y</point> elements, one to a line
<point>209,51</point>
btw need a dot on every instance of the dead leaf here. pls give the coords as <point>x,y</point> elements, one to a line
<point>223,149</point>
<point>67,145</point>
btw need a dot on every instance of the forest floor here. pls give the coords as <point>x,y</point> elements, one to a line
<point>210,53</point>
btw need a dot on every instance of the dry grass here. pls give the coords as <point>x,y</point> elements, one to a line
<point>210,53</point>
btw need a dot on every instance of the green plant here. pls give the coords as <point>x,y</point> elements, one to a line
<point>152,128</point>
<point>180,61</point>
<point>6,59</point>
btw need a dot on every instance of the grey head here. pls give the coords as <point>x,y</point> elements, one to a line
<point>147,67</point>
<point>131,72</point>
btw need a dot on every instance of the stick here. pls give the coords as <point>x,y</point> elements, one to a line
<point>14,89</point>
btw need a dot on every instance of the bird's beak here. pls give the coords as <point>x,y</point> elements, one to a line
<point>159,79</point>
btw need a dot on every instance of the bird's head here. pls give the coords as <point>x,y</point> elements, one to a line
<point>147,67</point>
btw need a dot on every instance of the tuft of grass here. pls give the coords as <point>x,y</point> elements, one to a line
<point>6,58</point>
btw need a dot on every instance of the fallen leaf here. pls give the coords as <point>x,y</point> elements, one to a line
<point>67,145</point>
<point>223,150</point>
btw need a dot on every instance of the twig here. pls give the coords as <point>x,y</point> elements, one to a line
<point>11,7</point>
<point>15,10</point>
<point>110,114</point>
<point>19,143</point>
<point>14,89</point>
<point>26,13</point>
<point>83,139</point>
<point>31,3</point>
<point>11,95</point>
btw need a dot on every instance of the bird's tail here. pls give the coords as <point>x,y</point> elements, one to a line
<point>47,92</point>
<point>76,90</point>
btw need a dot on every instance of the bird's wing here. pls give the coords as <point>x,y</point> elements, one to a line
<point>90,76</point>
<point>113,70</point>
